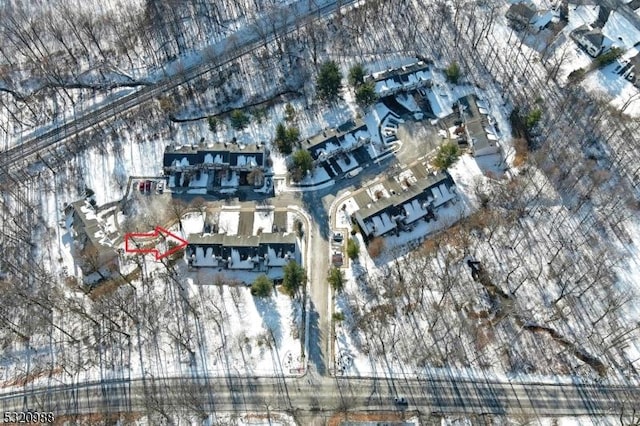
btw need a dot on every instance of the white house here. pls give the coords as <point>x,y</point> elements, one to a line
<point>590,39</point>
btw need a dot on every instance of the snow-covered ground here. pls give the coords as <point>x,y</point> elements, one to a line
<point>617,90</point>
<point>537,421</point>
<point>123,51</point>
<point>621,31</point>
<point>228,222</point>
<point>224,331</point>
<point>418,323</point>
<point>605,82</point>
<point>192,223</point>
<point>420,313</point>
<point>252,419</point>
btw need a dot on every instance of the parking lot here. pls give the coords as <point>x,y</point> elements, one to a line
<point>149,186</point>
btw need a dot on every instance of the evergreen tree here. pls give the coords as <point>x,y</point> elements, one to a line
<point>353,250</point>
<point>328,81</point>
<point>213,124</point>
<point>447,154</point>
<point>239,120</point>
<point>285,138</point>
<point>294,277</point>
<point>366,94</point>
<point>289,113</point>
<point>280,140</point>
<point>336,279</point>
<point>292,135</point>
<point>453,72</point>
<point>302,162</point>
<point>356,75</point>
<point>262,286</point>
<point>533,118</point>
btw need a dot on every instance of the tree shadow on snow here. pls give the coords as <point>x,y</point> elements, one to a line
<point>315,355</point>
<point>313,205</point>
<point>268,310</point>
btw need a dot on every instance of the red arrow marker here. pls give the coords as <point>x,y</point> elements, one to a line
<point>133,241</point>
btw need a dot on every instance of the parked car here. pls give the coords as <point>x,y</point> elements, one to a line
<point>338,237</point>
<point>336,259</point>
<point>353,173</point>
<point>401,400</point>
<point>147,186</point>
<point>141,186</point>
<point>160,187</point>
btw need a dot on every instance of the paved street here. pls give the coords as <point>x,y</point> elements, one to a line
<point>441,395</point>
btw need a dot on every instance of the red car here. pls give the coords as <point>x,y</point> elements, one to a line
<point>141,187</point>
<point>147,186</point>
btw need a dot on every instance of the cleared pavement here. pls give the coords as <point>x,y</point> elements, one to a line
<point>441,395</point>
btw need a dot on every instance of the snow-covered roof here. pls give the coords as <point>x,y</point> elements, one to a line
<point>622,32</point>
<point>543,18</point>
<point>378,217</point>
<point>343,139</point>
<point>406,77</point>
<point>582,15</point>
<point>219,153</point>
<point>241,252</point>
<point>99,229</point>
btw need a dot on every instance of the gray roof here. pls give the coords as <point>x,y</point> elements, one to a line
<point>395,201</point>
<point>594,35</point>
<point>521,10</point>
<point>280,220</point>
<point>475,123</point>
<point>228,152</point>
<point>242,240</point>
<point>400,73</point>
<point>334,136</point>
<point>216,147</point>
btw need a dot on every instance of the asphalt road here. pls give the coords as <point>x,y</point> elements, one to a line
<point>232,47</point>
<point>440,395</point>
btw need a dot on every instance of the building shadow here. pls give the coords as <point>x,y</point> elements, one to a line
<point>268,310</point>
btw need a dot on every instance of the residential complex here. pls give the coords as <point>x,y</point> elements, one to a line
<point>395,204</point>
<point>215,166</point>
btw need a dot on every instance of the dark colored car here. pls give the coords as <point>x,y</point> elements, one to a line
<point>401,400</point>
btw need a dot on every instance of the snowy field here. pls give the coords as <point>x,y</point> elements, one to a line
<point>188,323</point>
<point>615,89</point>
<point>533,420</point>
